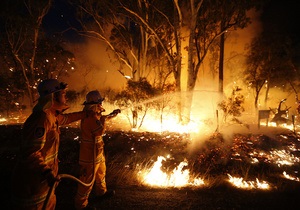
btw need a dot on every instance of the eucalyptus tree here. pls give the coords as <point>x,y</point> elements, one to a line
<point>144,35</point>
<point>208,22</point>
<point>166,31</point>
<point>256,61</point>
<point>171,26</point>
<point>270,63</point>
<point>22,21</point>
<point>232,16</point>
<point>132,99</point>
<point>201,23</point>
<point>273,56</point>
<point>133,46</point>
<point>29,53</point>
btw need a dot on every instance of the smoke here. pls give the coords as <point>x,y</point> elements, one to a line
<point>96,67</point>
<point>207,114</point>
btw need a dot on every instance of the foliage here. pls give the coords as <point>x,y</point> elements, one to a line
<point>269,58</point>
<point>148,37</point>
<point>135,98</point>
<point>53,61</point>
<point>132,46</point>
<point>11,101</point>
<point>29,55</point>
<point>11,91</point>
<point>273,59</point>
<point>232,107</point>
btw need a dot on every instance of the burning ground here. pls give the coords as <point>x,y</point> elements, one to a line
<point>161,171</point>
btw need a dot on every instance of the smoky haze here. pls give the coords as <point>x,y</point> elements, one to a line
<point>95,68</point>
<point>98,69</point>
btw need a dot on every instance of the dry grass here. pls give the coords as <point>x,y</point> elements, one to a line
<point>128,153</point>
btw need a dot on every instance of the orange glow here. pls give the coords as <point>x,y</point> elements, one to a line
<point>178,178</point>
<point>3,120</point>
<point>201,126</point>
<point>240,183</point>
<point>287,176</point>
<point>278,157</point>
<point>170,123</point>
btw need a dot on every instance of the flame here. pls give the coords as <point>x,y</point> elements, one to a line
<point>287,176</point>
<point>283,157</point>
<point>284,125</point>
<point>171,125</point>
<point>3,120</point>
<point>178,178</point>
<point>11,120</point>
<point>240,183</point>
<point>279,157</point>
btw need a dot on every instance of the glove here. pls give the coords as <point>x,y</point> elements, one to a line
<point>116,111</point>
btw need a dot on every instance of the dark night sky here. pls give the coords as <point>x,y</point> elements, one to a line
<point>280,16</point>
<point>60,18</point>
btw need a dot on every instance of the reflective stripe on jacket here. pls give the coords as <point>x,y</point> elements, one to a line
<point>92,129</point>
<point>38,153</point>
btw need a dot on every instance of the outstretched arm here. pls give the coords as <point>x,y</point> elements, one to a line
<point>113,114</point>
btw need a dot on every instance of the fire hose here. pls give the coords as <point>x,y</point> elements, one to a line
<point>68,176</point>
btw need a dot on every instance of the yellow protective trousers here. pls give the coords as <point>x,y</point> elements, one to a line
<point>91,160</point>
<point>88,173</point>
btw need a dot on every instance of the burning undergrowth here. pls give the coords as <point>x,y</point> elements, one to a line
<point>166,160</point>
<point>249,161</point>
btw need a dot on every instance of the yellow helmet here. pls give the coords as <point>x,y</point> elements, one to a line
<point>49,86</point>
<point>93,97</point>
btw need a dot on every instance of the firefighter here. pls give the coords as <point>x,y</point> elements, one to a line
<point>37,165</point>
<point>91,155</point>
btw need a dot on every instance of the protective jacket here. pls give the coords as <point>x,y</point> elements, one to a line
<point>38,156</point>
<point>92,158</point>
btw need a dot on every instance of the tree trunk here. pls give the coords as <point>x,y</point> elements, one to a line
<point>221,65</point>
<point>221,61</point>
<point>267,93</point>
<point>256,100</point>
<point>192,76</point>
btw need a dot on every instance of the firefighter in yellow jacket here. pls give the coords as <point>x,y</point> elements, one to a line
<point>91,155</point>
<point>37,166</point>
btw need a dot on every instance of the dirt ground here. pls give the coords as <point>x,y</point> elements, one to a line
<point>123,151</point>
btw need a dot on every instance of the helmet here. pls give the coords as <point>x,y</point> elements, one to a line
<point>49,86</point>
<point>93,97</point>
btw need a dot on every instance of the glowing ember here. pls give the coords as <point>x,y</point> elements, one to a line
<point>287,176</point>
<point>240,183</point>
<point>293,148</point>
<point>284,125</point>
<point>3,120</point>
<point>283,157</point>
<point>279,157</point>
<point>178,178</point>
<point>170,123</point>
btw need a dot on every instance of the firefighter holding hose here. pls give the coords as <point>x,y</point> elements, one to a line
<point>91,155</point>
<point>37,166</point>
